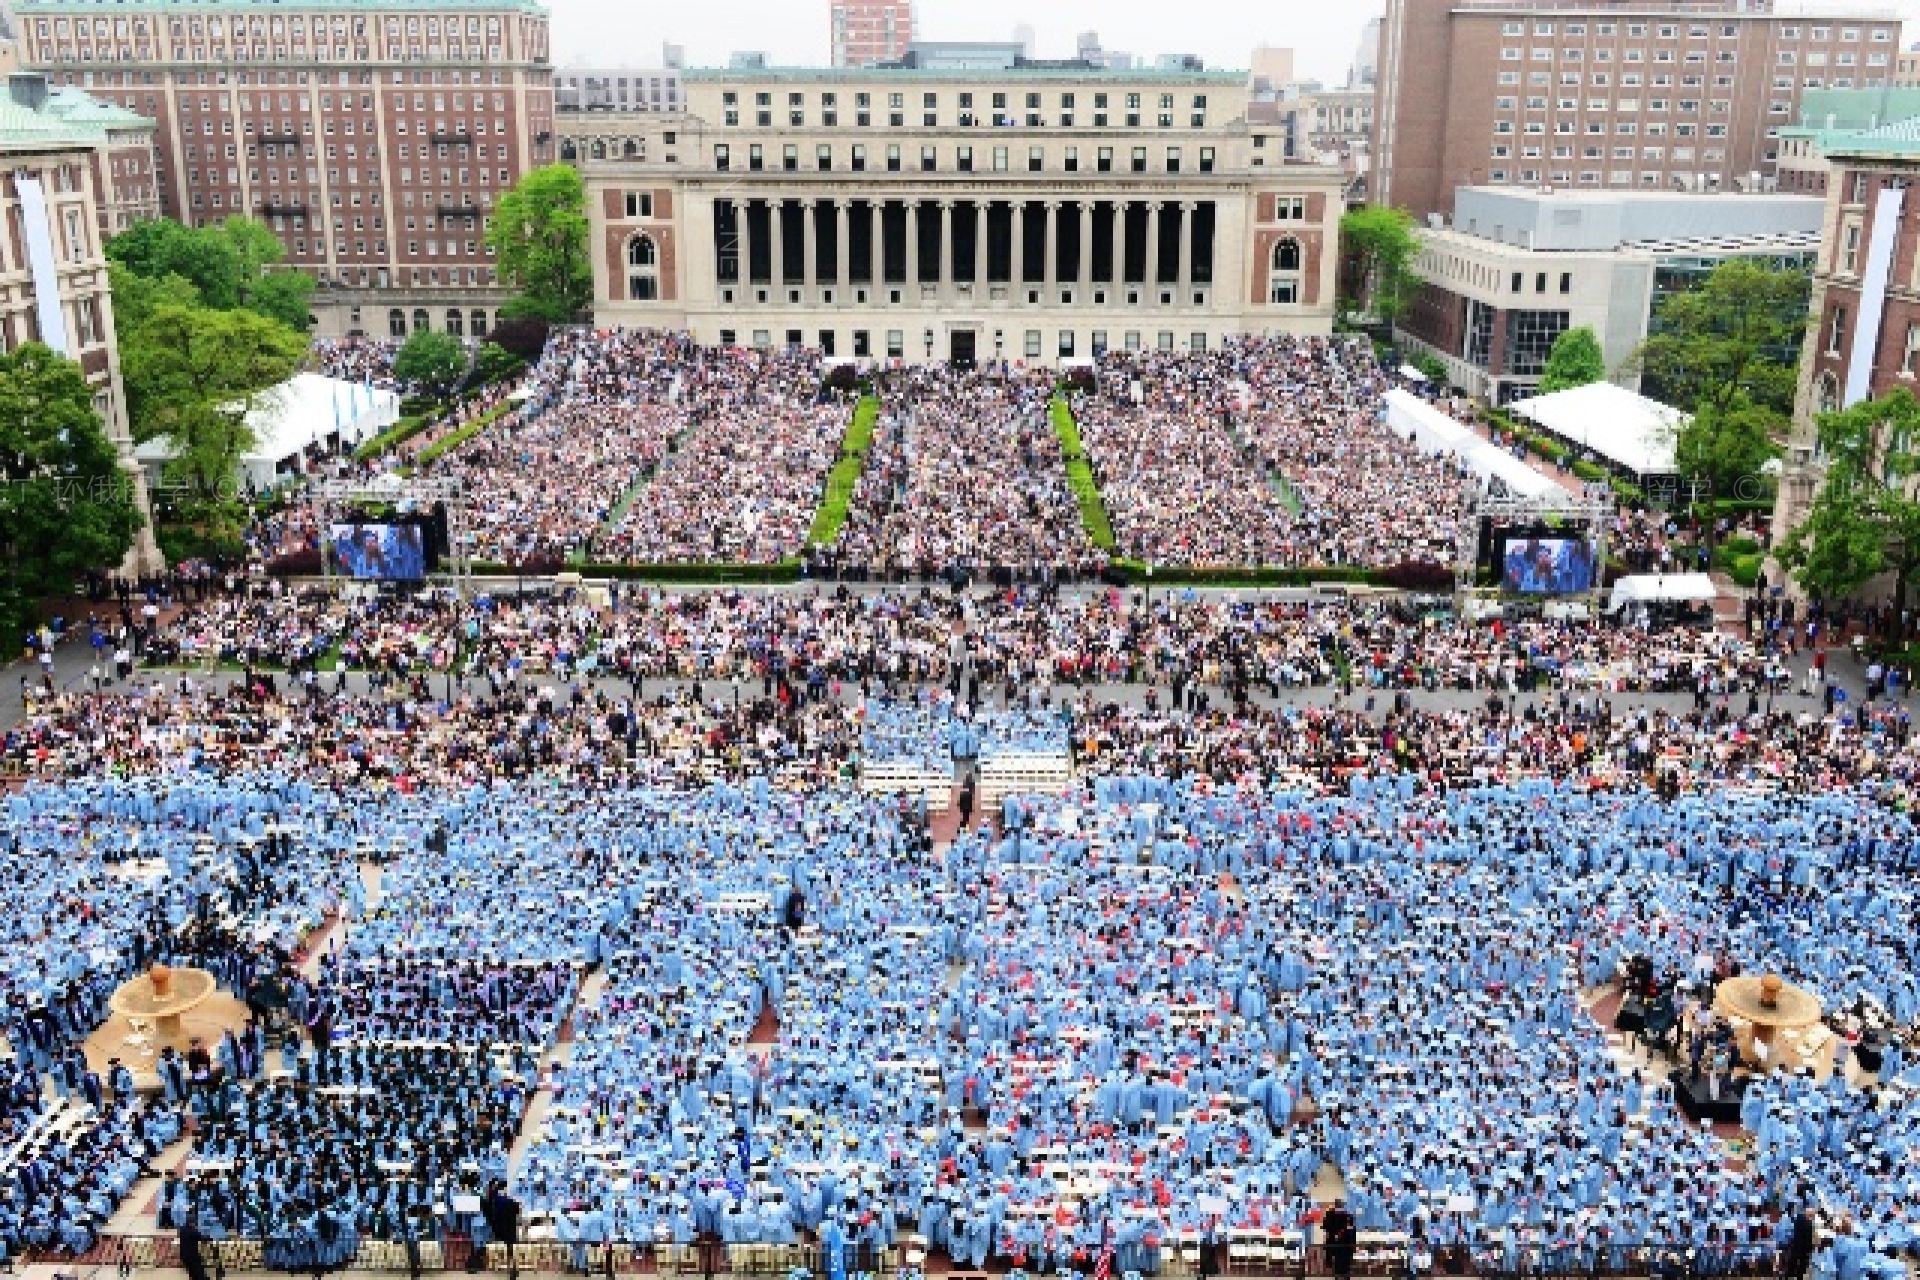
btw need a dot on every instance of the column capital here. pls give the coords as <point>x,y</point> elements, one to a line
<point>946,204</point>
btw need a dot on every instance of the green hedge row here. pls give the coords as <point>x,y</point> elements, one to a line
<point>447,444</point>
<point>1086,491</point>
<point>746,574</point>
<point>845,476</point>
<point>394,436</point>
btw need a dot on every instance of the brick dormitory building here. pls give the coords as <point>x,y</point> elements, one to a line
<point>1667,95</point>
<point>372,135</point>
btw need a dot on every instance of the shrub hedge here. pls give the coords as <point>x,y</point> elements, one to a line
<point>1745,569</point>
<point>394,436</point>
<point>447,444</point>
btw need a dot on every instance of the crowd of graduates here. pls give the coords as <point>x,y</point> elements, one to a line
<point>1154,1009</point>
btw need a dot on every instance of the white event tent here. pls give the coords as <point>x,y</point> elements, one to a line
<point>1630,431</point>
<point>1436,432</point>
<point>308,409</point>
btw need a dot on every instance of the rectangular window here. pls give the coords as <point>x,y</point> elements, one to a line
<point>1032,347</point>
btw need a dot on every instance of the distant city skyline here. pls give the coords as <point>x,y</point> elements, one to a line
<point>795,32</point>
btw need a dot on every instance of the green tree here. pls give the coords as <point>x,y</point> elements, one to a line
<point>432,362</point>
<point>1574,361</point>
<point>1865,520</point>
<point>285,296</point>
<point>233,264</point>
<point>494,363</point>
<point>193,376</point>
<point>137,297</point>
<point>1727,449</point>
<point>1381,242</point>
<point>538,233</point>
<point>66,506</point>
<point>1737,336</point>
<point>265,287</point>
<point>205,257</point>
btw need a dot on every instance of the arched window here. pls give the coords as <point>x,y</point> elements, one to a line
<point>479,326</point>
<point>630,149</point>
<point>456,321</point>
<point>397,323</point>
<point>420,324</point>
<point>568,151</point>
<point>599,151</point>
<point>643,269</point>
<point>1283,275</point>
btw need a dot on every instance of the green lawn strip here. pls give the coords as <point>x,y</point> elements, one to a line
<point>837,495</point>
<point>1086,491</point>
<point>1288,498</point>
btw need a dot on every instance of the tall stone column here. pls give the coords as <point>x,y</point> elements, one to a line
<point>946,244</point>
<point>778,262</point>
<point>842,253</point>
<point>1017,262</point>
<point>1153,246</point>
<point>1086,253</point>
<point>980,224</point>
<point>743,222</point>
<point>913,245</point>
<point>1119,248</point>
<point>1050,266</point>
<point>809,243</point>
<point>877,242</point>
<point>1185,260</point>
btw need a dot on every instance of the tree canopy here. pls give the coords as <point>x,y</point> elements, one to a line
<point>1381,242</point>
<point>432,362</point>
<point>1574,361</point>
<point>538,233</point>
<point>1865,519</point>
<point>66,507</point>
<point>192,377</point>
<point>233,264</point>
<point>1736,337</point>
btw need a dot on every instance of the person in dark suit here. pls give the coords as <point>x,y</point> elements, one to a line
<point>1342,1237</point>
<point>1800,1246</point>
<point>502,1213</point>
<point>190,1238</point>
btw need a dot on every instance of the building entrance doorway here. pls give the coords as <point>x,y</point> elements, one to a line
<point>960,347</point>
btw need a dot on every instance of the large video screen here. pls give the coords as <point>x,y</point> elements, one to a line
<point>1547,566</point>
<point>380,552</point>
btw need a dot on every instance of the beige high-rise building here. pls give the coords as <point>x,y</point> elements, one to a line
<point>1038,213</point>
<point>1603,94</point>
<point>372,135</point>
<point>868,31</point>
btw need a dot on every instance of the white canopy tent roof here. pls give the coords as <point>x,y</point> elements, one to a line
<point>1642,588</point>
<point>1436,432</point>
<point>305,410</point>
<point>1627,429</point>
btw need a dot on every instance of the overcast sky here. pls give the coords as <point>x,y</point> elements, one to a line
<point>1324,33</point>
